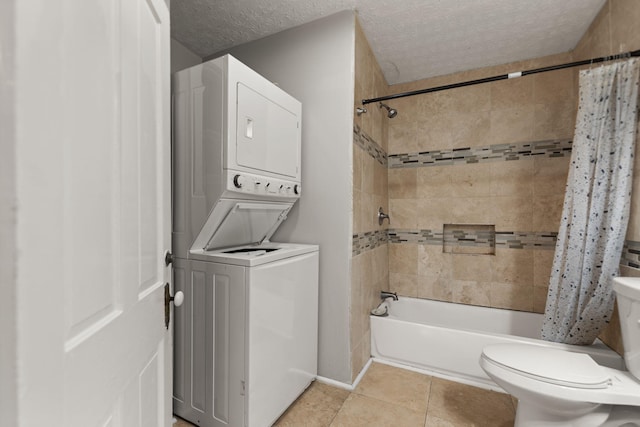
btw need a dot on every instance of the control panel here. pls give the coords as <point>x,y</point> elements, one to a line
<point>242,182</point>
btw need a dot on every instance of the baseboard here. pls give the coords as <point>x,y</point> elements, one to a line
<point>346,386</point>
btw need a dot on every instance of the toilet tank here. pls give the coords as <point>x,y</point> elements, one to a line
<point>627,291</point>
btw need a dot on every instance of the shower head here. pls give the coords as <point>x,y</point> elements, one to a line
<point>391,112</point>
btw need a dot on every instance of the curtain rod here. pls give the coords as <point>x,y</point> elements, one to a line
<point>504,76</point>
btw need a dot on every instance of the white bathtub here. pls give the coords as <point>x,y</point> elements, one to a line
<point>446,339</point>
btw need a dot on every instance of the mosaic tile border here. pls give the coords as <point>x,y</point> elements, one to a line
<point>364,141</point>
<point>631,254</point>
<point>364,242</point>
<point>503,239</point>
<point>492,153</point>
<point>526,240</point>
<point>478,236</point>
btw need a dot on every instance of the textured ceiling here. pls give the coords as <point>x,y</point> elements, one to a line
<point>411,39</point>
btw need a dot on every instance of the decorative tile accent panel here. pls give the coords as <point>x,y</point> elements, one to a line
<point>526,240</point>
<point>469,239</point>
<point>504,239</point>
<point>423,237</point>
<point>364,141</point>
<point>492,153</point>
<point>367,241</point>
<point>631,254</point>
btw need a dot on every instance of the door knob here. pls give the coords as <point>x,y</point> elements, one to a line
<point>177,300</point>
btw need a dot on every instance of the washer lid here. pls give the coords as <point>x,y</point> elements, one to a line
<point>577,370</point>
<point>240,222</point>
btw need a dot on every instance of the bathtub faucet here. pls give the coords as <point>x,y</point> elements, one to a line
<point>385,294</point>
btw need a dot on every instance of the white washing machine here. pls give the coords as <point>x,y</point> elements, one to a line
<point>246,336</point>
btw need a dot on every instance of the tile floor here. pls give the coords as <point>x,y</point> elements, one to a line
<point>390,396</point>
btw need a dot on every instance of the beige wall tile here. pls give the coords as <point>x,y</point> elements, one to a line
<point>472,210</point>
<point>512,296</point>
<point>357,167</point>
<point>550,175</point>
<point>473,129</point>
<point>512,178</point>
<point>472,180</point>
<point>599,34</point>
<point>403,213</point>
<point>402,183</point>
<point>404,284</point>
<point>367,173</point>
<point>433,132</point>
<point>364,211</point>
<point>513,266</point>
<point>554,120</point>
<point>633,229</point>
<point>380,262</point>
<point>357,208</point>
<point>357,359</point>
<point>380,179</point>
<point>512,124</point>
<point>434,181</point>
<point>433,262</point>
<point>471,292</point>
<point>553,86</point>
<point>403,258</point>
<point>547,211</point>
<point>625,35</point>
<point>366,268</point>
<point>472,267</point>
<point>434,212</point>
<point>513,214</point>
<point>402,137</point>
<point>435,103</point>
<point>512,93</point>
<point>542,264</point>
<point>539,298</point>
<point>471,98</point>
<point>436,288</point>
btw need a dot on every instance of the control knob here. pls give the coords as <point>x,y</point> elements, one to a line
<point>296,189</point>
<point>237,181</point>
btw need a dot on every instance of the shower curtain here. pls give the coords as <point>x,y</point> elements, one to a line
<point>596,205</point>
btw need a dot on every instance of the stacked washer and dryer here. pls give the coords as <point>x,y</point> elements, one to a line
<point>246,335</point>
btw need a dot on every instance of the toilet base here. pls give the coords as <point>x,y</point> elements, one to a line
<point>528,415</point>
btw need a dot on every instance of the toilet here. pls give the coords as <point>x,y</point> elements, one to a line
<point>560,388</point>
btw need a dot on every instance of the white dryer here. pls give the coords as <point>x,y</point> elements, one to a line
<point>246,336</point>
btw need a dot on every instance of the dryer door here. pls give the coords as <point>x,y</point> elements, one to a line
<point>268,135</point>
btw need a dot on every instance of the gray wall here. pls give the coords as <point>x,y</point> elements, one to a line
<point>8,353</point>
<point>182,57</point>
<point>315,64</point>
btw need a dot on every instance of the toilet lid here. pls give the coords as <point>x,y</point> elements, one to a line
<point>577,370</point>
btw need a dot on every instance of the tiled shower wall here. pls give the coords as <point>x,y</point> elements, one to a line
<point>494,154</point>
<point>369,262</point>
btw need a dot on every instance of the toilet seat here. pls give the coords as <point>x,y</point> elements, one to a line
<point>549,365</point>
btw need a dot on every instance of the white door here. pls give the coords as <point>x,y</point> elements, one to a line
<point>93,125</point>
